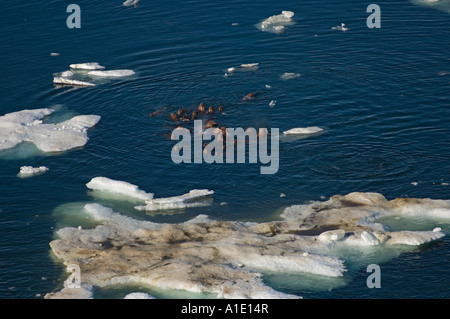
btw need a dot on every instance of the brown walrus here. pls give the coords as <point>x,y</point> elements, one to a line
<point>201,108</point>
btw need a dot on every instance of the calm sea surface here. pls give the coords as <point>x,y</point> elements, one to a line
<point>382,96</point>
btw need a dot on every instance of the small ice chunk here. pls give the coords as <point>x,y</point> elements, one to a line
<point>66,81</point>
<point>130,3</point>
<point>138,295</point>
<point>87,66</point>
<point>109,185</point>
<point>268,86</point>
<point>414,183</point>
<point>112,73</point>
<point>331,235</point>
<point>26,171</point>
<point>67,74</point>
<point>341,27</point>
<point>304,130</point>
<point>54,54</point>
<point>250,65</point>
<point>231,70</point>
<point>272,103</point>
<point>288,76</point>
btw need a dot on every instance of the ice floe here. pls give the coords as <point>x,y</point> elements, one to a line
<point>341,27</point>
<point>87,66</point>
<point>304,130</point>
<point>66,81</point>
<point>28,171</point>
<point>277,23</point>
<point>442,5</point>
<point>288,76</point>
<point>27,126</point>
<point>118,187</point>
<point>250,65</point>
<point>138,295</point>
<point>88,74</point>
<point>191,199</point>
<point>112,73</point>
<point>229,258</point>
<point>129,3</point>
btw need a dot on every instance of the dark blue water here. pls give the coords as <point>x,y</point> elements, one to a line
<point>382,96</point>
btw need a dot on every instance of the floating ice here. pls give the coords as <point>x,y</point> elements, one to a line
<point>112,73</point>
<point>27,126</point>
<point>87,66</point>
<point>442,5</point>
<point>304,130</point>
<point>66,81</point>
<point>67,74</point>
<point>108,185</point>
<point>176,202</point>
<point>277,23</point>
<point>341,27</point>
<point>27,171</point>
<point>272,103</point>
<point>129,3</point>
<point>250,65</point>
<point>138,295</point>
<point>226,257</point>
<point>288,76</point>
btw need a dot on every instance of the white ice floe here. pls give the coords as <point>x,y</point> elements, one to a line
<point>303,130</point>
<point>118,187</point>
<point>190,199</point>
<point>67,81</point>
<point>250,65</point>
<point>87,66</point>
<point>129,3</point>
<point>341,27</point>
<point>138,295</point>
<point>112,73</point>
<point>27,171</point>
<point>231,70</point>
<point>272,103</point>
<point>288,76</point>
<point>27,126</point>
<point>67,74</point>
<point>277,23</point>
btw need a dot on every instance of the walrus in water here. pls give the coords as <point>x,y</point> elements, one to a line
<point>250,96</point>
<point>158,112</point>
<point>201,108</point>
<point>173,117</point>
<point>210,110</point>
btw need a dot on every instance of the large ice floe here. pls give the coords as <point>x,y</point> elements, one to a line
<point>27,126</point>
<point>229,258</point>
<point>277,23</point>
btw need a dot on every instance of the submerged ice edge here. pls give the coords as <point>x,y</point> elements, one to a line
<point>191,255</point>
